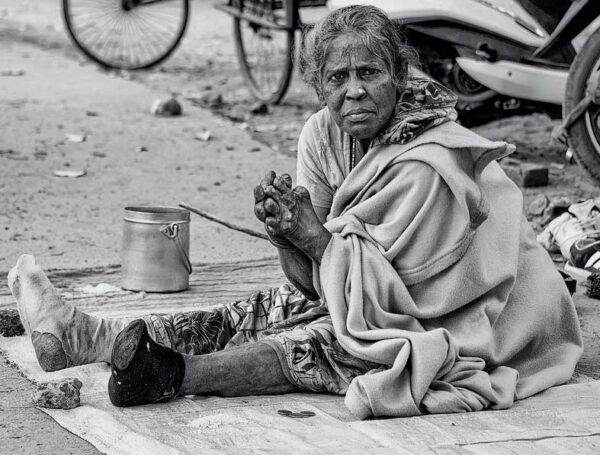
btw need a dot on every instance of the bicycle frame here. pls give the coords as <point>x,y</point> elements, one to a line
<point>262,12</point>
<point>130,4</point>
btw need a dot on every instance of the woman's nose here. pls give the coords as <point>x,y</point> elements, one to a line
<point>355,90</point>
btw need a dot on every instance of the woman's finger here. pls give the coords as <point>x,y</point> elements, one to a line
<point>268,179</point>
<point>259,193</point>
<point>288,179</point>
<point>273,193</point>
<point>273,225</point>
<point>302,192</point>
<point>283,183</point>
<point>260,212</point>
<point>272,207</point>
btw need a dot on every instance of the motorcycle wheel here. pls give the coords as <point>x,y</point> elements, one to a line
<point>584,134</point>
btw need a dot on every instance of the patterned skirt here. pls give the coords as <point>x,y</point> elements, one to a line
<point>298,329</point>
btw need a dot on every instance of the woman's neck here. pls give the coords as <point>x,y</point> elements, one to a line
<point>364,145</point>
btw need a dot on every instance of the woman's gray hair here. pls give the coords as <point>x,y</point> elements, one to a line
<point>372,27</point>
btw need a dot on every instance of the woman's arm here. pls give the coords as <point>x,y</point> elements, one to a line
<point>298,267</point>
<point>294,226</point>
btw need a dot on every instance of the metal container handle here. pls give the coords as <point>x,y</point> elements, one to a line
<point>171,231</point>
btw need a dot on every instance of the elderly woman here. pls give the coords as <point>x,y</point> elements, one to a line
<point>420,286</point>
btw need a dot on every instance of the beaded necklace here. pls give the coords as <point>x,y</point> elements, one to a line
<point>352,154</point>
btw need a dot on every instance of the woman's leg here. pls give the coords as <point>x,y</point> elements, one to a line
<point>202,332</point>
<point>307,357</point>
<point>61,335</point>
<point>227,357</point>
<point>146,372</point>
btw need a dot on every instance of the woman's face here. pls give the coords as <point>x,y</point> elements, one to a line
<point>358,88</point>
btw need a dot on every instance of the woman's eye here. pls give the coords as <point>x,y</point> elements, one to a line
<point>369,71</point>
<point>337,77</point>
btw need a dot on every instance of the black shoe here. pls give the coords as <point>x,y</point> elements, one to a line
<point>143,371</point>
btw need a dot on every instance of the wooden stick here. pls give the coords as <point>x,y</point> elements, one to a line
<point>208,216</point>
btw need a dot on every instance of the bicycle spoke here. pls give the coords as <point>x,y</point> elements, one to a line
<point>132,38</point>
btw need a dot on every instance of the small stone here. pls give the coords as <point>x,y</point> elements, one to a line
<point>91,113</point>
<point>10,324</point>
<point>12,72</point>
<point>237,114</point>
<point>212,99</point>
<point>62,394</point>
<point>254,149</point>
<point>141,148</point>
<point>68,173</point>
<point>166,108</point>
<point>534,175</point>
<point>229,147</point>
<point>99,154</point>
<point>203,136</point>
<point>259,108</point>
<point>268,128</point>
<point>77,138</point>
<point>538,205</point>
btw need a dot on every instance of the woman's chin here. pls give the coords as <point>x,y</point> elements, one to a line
<point>359,131</point>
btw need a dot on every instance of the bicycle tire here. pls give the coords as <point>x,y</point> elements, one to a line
<point>153,59</point>
<point>270,93</point>
<point>583,135</point>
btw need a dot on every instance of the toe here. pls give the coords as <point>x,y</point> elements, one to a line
<point>24,268</point>
<point>25,262</point>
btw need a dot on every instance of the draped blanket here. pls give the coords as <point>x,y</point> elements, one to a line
<point>434,273</point>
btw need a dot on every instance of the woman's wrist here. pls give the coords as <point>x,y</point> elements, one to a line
<point>314,244</point>
<point>280,242</point>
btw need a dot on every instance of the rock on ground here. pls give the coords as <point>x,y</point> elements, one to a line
<point>58,394</point>
<point>10,324</point>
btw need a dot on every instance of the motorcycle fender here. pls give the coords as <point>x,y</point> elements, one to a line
<point>474,15</point>
<point>518,80</point>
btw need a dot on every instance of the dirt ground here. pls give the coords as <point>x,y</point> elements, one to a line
<point>77,222</point>
<point>57,217</point>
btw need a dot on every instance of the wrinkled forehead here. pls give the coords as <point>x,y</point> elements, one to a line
<point>350,50</point>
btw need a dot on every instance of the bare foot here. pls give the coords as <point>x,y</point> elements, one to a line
<point>61,335</point>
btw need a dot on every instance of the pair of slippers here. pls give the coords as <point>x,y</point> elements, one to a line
<point>585,258</point>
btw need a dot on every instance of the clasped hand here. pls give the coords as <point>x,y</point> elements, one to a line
<point>288,213</point>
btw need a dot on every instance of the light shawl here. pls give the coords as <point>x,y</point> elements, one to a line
<point>463,309</point>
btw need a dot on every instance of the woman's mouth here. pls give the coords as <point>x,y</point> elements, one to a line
<point>357,116</point>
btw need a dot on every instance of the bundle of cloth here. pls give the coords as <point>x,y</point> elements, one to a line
<point>468,311</point>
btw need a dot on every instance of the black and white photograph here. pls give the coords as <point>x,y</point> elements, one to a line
<point>299,227</point>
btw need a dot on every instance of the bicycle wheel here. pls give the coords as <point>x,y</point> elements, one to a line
<point>265,49</point>
<point>126,34</point>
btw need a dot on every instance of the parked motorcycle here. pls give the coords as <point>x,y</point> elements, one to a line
<point>511,57</point>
